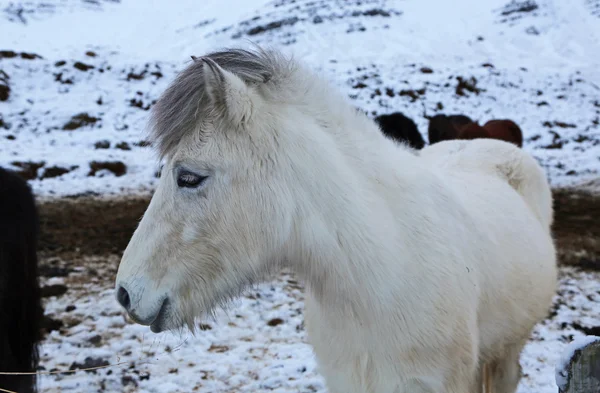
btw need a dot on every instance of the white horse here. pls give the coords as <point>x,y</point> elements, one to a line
<point>418,270</point>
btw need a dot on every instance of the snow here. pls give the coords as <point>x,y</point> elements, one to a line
<point>538,67</point>
<point>257,345</point>
<point>562,366</point>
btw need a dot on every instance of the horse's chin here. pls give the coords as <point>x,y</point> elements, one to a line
<point>156,328</point>
<point>171,318</point>
<point>166,319</point>
<point>165,325</point>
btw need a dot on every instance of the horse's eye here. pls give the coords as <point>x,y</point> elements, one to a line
<point>189,180</point>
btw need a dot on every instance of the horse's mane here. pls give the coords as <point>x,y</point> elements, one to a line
<point>184,102</point>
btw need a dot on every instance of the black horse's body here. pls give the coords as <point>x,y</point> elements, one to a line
<point>20,302</point>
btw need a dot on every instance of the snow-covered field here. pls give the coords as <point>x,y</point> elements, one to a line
<point>78,111</point>
<point>257,345</point>
<point>78,78</point>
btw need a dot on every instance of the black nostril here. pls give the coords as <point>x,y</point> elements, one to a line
<point>123,298</point>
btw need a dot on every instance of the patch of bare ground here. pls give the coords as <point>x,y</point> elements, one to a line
<point>87,226</point>
<point>577,228</point>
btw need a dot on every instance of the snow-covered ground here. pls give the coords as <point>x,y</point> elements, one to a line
<point>257,345</point>
<point>79,111</point>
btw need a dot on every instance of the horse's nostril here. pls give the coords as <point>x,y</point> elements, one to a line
<point>123,298</point>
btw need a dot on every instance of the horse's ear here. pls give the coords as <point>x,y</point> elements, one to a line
<point>227,91</point>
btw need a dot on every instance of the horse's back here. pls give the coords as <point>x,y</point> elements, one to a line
<point>472,131</point>
<point>502,160</point>
<point>460,120</point>
<point>506,130</point>
<point>401,128</point>
<point>443,127</point>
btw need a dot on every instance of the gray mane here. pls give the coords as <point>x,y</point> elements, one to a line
<point>184,102</point>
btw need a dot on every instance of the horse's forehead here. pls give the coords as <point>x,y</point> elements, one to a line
<point>208,144</point>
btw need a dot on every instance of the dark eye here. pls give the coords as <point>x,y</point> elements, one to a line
<point>189,180</point>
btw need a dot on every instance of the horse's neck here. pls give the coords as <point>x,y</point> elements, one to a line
<point>346,247</point>
<point>343,264</point>
<point>358,137</point>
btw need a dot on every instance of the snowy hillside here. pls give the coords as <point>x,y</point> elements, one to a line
<point>77,77</point>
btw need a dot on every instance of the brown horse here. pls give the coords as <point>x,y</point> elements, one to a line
<point>442,127</point>
<point>505,130</point>
<point>472,130</point>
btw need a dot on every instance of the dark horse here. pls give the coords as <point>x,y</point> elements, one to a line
<point>401,128</point>
<point>505,130</point>
<point>443,128</point>
<point>20,302</point>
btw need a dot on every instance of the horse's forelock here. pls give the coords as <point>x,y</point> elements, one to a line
<point>185,102</point>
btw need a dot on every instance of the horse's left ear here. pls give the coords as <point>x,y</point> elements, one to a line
<point>227,91</point>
